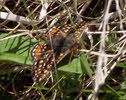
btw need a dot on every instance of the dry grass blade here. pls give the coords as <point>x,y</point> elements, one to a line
<point>16,18</point>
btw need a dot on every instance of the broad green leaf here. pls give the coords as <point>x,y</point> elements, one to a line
<point>78,65</point>
<point>10,57</point>
<point>16,49</point>
<point>74,67</point>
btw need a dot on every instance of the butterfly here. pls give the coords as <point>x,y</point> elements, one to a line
<point>46,55</point>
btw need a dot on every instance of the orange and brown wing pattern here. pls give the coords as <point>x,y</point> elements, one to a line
<point>37,50</point>
<point>41,56</point>
<point>63,39</point>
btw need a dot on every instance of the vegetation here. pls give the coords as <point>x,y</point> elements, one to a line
<point>94,71</point>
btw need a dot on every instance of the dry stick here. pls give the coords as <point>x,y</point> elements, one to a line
<point>99,74</point>
<point>121,39</point>
<point>5,7</point>
<point>16,18</point>
<point>87,3</point>
<point>54,17</point>
<point>50,39</point>
<point>35,9</point>
<point>120,54</point>
<point>54,97</point>
<point>13,36</point>
<point>97,53</point>
<point>22,30</point>
<point>89,32</point>
<point>119,13</point>
<point>15,28</point>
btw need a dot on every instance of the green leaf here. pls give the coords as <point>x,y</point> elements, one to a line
<point>78,65</point>
<point>123,65</point>
<point>85,65</point>
<point>123,97</point>
<point>10,57</point>
<point>74,67</point>
<point>16,49</point>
